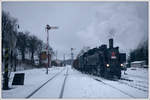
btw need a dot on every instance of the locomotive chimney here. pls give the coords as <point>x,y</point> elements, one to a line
<point>111,43</point>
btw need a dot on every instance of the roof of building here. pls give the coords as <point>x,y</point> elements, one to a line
<point>137,62</point>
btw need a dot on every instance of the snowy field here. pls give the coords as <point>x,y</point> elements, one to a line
<point>134,84</point>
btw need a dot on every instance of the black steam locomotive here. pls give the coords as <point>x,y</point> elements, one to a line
<point>102,61</point>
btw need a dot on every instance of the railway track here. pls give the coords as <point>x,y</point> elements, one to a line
<point>114,88</point>
<point>134,84</point>
<point>141,77</point>
<point>37,89</point>
<point>63,86</point>
<point>128,82</point>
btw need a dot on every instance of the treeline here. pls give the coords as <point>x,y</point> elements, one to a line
<point>141,53</point>
<point>28,43</point>
<point>20,41</point>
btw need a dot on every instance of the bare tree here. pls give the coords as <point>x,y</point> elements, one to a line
<point>9,25</point>
<point>33,44</point>
<point>22,43</point>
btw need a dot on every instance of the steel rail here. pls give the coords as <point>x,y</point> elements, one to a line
<point>115,88</point>
<point>31,94</point>
<point>63,86</point>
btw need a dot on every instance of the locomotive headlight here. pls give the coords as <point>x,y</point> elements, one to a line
<point>107,65</point>
<point>121,65</point>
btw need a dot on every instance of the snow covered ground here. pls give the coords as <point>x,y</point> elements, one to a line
<point>78,85</point>
<point>138,73</point>
<point>88,88</point>
<point>83,86</point>
<point>33,79</point>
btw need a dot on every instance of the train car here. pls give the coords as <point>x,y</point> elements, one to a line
<point>102,61</point>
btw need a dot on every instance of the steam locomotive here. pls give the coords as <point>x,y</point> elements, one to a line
<point>102,61</point>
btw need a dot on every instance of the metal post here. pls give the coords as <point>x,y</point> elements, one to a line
<point>6,78</point>
<point>56,55</point>
<point>48,54</point>
<point>47,49</point>
<point>72,57</point>
<point>64,60</point>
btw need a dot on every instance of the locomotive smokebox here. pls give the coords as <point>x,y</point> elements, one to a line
<point>111,43</point>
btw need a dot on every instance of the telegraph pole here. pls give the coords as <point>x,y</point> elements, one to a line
<point>48,53</point>
<point>56,55</point>
<point>72,57</point>
<point>64,60</point>
<point>47,27</point>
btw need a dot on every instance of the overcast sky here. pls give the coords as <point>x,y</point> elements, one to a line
<point>83,23</point>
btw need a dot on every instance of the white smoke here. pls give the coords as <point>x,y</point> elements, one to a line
<point>120,21</point>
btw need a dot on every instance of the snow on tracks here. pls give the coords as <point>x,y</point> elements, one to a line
<point>80,85</point>
<point>115,88</point>
<point>126,87</point>
<point>53,88</point>
<point>33,79</point>
<point>63,86</point>
<point>43,85</point>
<point>135,84</point>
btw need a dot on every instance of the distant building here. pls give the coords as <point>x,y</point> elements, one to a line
<point>139,64</point>
<point>68,62</point>
<point>57,63</point>
<point>49,49</point>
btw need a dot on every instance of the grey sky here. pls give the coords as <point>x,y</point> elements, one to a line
<point>83,23</point>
